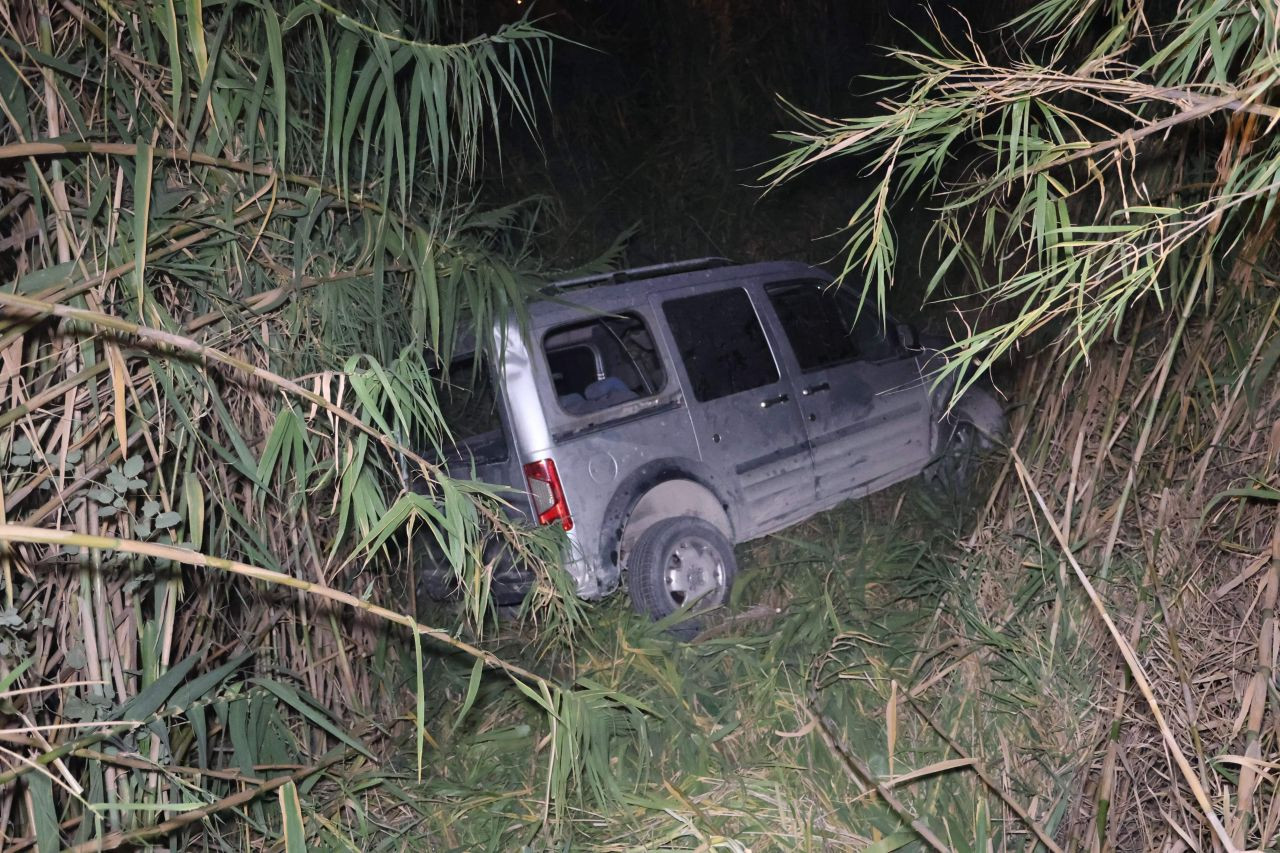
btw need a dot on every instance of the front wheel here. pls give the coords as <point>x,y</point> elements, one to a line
<point>680,562</point>
<point>953,471</point>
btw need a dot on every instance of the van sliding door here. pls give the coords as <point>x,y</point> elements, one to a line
<point>743,407</point>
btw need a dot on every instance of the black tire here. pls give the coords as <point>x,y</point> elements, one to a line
<point>677,561</point>
<point>953,471</point>
<point>436,585</point>
<point>437,582</point>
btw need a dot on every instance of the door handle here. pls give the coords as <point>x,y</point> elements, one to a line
<point>814,389</point>
<point>773,401</point>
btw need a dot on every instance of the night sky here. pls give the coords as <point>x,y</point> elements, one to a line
<point>663,114</point>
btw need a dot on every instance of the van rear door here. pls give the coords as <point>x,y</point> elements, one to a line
<point>478,447</point>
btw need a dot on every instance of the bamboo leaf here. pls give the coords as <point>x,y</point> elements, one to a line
<point>45,812</point>
<point>10,678</point>
<point>143,166</point>
<point>275,56</point>
<point>193,498</point>
<point>311,712</point>
<point>208,683</point>
<point>195,38</point>
<point>169,26</point>
<point>419,703</point>
<point>295,837</point>
<point>151,698</point>
<point>473,688</point>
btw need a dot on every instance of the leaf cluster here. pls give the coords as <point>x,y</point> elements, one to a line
<point>240,246</point>
<point>1122,157</point>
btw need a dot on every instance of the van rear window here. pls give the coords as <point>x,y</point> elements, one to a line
<point>602,362</point>
<point>470,409</point>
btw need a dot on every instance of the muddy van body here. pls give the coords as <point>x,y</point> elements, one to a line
<point>661,414</point>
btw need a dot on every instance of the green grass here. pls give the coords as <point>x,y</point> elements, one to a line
<point>762,734</point>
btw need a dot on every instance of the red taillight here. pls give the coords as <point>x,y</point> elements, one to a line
<point>548,496</point>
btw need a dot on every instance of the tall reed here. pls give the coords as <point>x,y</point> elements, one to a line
<point>238,241</point>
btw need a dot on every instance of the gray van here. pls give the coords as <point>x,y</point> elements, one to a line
<point>661,414</point>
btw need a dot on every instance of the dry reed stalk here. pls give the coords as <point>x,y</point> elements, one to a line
<point>1135,667</point>
<point>117,840</point>
<point>1254,701</point>
<point>1227,419</point>
<point>999,790</point>
<point>1174,640</point>
<point>862,774</point>
<point>1103,837</point>
<point>185,344</point>
<point>14,533</point>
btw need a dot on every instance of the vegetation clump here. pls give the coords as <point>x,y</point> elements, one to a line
<point>1109,193</point>
<point>239,244</point>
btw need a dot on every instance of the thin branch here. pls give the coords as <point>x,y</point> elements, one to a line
<point>132,837</point>
<point>181,343</point>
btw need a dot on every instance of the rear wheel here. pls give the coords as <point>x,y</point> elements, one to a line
<point>508,584</point>
<point>677,563</point>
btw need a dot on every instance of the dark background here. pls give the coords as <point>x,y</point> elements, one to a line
<point>662,116</point>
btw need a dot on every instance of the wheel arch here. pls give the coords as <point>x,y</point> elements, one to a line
<point>658,490</point>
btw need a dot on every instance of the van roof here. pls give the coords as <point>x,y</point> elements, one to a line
<point>570,299</point>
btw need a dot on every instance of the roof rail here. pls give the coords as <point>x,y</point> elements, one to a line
<point>639,273</point>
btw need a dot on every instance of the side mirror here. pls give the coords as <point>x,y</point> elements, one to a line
<point>909,337</point>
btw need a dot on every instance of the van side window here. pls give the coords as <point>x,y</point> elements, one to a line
<point>819,322</point>
<point>721,342</point>
<point>602,362</point>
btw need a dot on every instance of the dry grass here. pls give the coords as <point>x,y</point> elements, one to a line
<point>1181,544</point>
